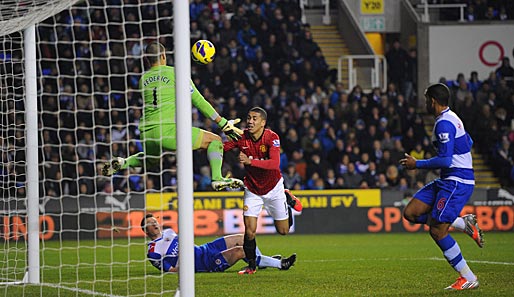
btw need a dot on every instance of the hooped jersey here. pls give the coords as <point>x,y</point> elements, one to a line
<point>451,140</point>
<point>163,251</point>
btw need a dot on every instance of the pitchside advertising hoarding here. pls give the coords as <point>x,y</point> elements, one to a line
<point>464,48</point>
<point>218,213</point>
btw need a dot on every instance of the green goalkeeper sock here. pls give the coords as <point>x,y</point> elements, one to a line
<point>134,160</point>
<point>215,156</point>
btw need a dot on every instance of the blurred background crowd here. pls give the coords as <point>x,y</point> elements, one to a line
<point>91,61</point>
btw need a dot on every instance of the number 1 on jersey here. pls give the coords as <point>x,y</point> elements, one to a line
<point>155,97</point>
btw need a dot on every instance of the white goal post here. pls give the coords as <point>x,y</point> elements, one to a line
<point>68,103</point>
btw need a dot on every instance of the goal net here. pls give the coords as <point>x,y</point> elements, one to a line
<point>88,66</point>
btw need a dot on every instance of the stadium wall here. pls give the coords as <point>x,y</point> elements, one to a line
<point>330,211</point>
<point>468,47</point>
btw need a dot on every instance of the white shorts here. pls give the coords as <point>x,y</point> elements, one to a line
<point>274,202</point>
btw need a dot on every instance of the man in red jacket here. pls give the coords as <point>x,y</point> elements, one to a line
<point>259,151</point>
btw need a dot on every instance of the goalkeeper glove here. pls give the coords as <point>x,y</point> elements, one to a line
<point>228,127</point>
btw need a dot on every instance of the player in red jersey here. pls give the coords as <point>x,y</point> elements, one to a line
<point>259,151</point>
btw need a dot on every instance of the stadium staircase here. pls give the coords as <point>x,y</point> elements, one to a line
<point>484,176</point>
<point>332,46</point>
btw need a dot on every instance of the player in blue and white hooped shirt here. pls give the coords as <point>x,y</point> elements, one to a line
<point>214,256</point>
<point>440,202</point>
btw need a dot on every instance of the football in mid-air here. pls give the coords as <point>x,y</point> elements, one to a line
<point>203,51</point>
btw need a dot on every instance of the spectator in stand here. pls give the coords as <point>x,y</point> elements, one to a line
<point>470,15</point>
<point>371,175</point>
<point>291,177</point>
<point>352,178</point>
<point>382,182</point>
<point>397,63</point>
<point>318,165</point>
<point>503,158</point>
<point>474,83</point>
<point>319,67</point>
<point>409,140</point>
<point>461,93</point>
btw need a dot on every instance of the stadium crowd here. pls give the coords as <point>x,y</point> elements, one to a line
<point>331,139</point>
<point>475,10</point>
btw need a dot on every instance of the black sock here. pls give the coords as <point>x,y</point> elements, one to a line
<point>290,220</point>
<point>249,247</point>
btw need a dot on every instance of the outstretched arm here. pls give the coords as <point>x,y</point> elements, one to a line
<point>272,163</point>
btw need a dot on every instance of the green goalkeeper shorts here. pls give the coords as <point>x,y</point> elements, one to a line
<point>158,139</point>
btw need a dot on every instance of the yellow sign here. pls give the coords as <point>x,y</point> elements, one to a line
<point>372,6</point>
<point>234,200</point>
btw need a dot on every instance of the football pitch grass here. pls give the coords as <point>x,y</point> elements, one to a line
<point>327,265</point>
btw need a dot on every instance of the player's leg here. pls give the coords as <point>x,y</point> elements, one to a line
<point>292,201</point>
<point>451,196</point>
<point>250,244</point>
<point>418,209</point>
<point>153,145</point>
<point>118,163</point>
<point>234,240</point>
<point>276,206</point>
<point>469,225</point>
<point>252,208</point>
<point>203,139</point>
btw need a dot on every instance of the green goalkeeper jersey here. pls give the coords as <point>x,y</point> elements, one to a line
<point>158,88</point>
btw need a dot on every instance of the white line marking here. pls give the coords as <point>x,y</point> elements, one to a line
<point>406,259</point>
<point>89,292</point>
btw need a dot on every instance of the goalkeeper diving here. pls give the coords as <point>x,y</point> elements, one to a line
<point>158,123</point>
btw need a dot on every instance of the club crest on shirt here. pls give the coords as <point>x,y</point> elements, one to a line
<point>245,208</point>
<point>276,142</point>
<point>441,203</point>
<point>217,261</point>
<point>443,137</point>
<point>262,148</point>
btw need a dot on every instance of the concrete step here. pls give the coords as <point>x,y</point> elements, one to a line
<point>487,185</point>
<point>331,43</point>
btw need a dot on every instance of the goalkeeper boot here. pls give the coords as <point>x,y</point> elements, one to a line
<point>473,230</point>
<point>463,284</point>
<point>293,201</point>
<point>112,167</point>
<point>286,263</point>
<point>224,183</point>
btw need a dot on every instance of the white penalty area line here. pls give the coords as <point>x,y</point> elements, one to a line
<point>407,259</point>
<point>77,290</point>
<point>84,291</point>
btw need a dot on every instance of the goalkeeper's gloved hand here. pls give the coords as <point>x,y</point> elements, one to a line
<point>228,127</point>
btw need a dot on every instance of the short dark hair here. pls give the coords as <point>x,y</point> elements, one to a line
<point>440,92</point>
<point>143,221</point>
<point>261,111</point>
<point>153,52</point>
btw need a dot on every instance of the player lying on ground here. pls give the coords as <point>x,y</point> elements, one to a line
<point>215,256</point>
<point>259,151</point>
<point>440,202</point>
<point>158,126</point>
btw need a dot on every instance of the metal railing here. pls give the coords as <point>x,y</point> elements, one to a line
<point>426,16</point>
<point>368,71</point>
<point>326,15</point>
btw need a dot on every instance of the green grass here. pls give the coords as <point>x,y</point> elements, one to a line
<point>328,265</point>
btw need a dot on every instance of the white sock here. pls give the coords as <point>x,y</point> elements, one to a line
<point>459,224</point>
<point>467,273</point>
<point>269,262</point>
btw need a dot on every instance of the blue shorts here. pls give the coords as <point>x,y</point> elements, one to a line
<point>447,198</point>
<point>208,257</point>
